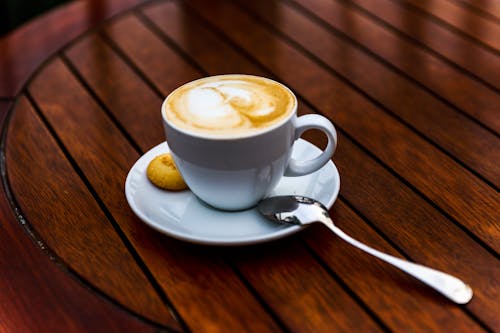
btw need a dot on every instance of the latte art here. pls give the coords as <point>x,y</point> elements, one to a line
<point>229,105</point>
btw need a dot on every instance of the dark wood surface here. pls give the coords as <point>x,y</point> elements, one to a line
<point>412,87</point>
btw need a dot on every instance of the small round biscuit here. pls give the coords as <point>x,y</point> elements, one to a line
<point>163,173</point>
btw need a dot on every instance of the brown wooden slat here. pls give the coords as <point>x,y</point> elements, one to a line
<point>418,307</point>
<point>37,296</point>
<point>456,87</point>
<point>300,291</point>
<point>375,192</point>
<point>195,281</point>
<point>173,21</point>
<point>314,76</point>
<point>419,229</point>
<point>415,303</point>
<point>490,8</point>
<point>460,50</point>
<point>151,61</point>
<point>464,139</point>
<point>272,290</point>
<point>429,170</point>
<point>23,50</point>
<point>28,274</point>
<point>255,278</point>
<point>179,26</point>
<point>75,229</point>
<point>120,89</point>
<point>466,21</point>
<point>414,226</point>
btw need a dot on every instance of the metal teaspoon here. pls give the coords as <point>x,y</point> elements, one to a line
<point>300,210</point>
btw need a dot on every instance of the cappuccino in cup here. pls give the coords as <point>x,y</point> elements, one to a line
<point>229,105</point>
<point>232,136</point>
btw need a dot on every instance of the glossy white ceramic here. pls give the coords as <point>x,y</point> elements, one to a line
<point>183,216</point>
<point>236,172</point>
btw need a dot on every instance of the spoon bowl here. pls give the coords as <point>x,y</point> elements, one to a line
<point>299,210</point>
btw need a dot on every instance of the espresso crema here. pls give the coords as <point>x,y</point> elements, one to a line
<point>229,105</point>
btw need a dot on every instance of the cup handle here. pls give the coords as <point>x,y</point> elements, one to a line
<point>312,121</point>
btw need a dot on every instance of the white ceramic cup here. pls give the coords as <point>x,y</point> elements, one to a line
<point>236,173</point>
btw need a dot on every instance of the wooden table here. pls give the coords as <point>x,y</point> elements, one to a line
<point>413,88</point>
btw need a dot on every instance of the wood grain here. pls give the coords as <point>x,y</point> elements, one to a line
<point>415,226</point>
<point>383,287</point>
<point>292,282</point>
<point>158,62</point>
<point>412,89</point>
<point>275,288</point>
<point>120,89</point>
<point>462,51</point>
<point>170,18</point>
<point>431,172</point>
<point>75,229</point>
<point>25,49</point>
<point>454,86</point>
<point>489,8</point>
<point>468,22</point>
<point>36,294</point>
<point>452,131</point>
<point>195,281</point>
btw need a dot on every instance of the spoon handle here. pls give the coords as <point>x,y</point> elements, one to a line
<point>448,285</point>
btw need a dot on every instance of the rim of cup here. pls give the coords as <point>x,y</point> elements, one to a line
<point>230,136</point>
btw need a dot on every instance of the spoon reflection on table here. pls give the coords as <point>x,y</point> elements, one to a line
<point>300,210</point>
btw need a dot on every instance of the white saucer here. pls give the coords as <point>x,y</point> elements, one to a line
<point>183,216</point>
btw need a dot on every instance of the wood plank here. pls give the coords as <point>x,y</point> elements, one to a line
<point>77,231</point>
<point>465,140</point>
<point>25,49</point>
<point>151,61</point>
<point>423,233</point>
<point>276,291</point>
<point>489,8</point>
<point>418,307</point>
<point>119,88</point>
<point>471,24</point>
<point>291,282</point>
<point>476,209</point>
<point>258,279</point>
<point>462,51</point>
<point>193,282</point>
<point>36,293</point>
<point>180,27</point>
<point>447,82</point>
<point>174,23</point>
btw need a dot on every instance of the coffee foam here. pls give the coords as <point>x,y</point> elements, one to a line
<point>228,105</point>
